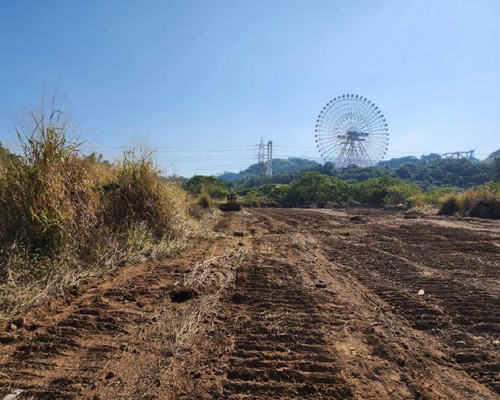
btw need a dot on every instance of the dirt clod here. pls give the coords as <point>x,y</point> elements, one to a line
<point>110,375</point>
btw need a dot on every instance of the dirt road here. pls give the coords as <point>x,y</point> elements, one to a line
<point>279,304</point>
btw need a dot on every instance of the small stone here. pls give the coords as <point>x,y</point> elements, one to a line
<point>123,347</point>
<point>219,372</point>
<point>421,292</point>
<point>15,394</point>
<point>12,327</point>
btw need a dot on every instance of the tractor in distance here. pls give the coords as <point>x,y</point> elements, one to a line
<point>231,203</point>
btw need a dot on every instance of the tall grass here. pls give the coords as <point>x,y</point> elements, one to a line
<point>138,196</point>
<point>467,203</point>
<point>47,201</point>
<point>64,216</point>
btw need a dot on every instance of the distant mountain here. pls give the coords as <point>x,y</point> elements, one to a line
<point>397,162</point>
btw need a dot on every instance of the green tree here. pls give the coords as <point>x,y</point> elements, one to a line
<point>339,190</point>
<point>276,192</point>
<point>310,187</point>
<point>200,184</point>
<point>401,193</point>
<point>374,191</point>
<point>496,169</point>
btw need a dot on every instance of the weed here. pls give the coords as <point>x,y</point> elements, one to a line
<point>64,216</point>
<point>205,200</point>
<point>450,206</point>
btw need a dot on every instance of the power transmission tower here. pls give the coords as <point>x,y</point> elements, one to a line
<point>260,156</point>
<point>269,163</point>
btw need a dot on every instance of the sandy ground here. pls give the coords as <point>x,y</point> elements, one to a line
<point>279,304</point>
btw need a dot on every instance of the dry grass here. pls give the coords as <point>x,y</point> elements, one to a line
<point>141,197</point>
<point>64,216</point>
<point>462,204</point>
<point>205,200</point>
<point>180,332</point>
<point>211,278</point>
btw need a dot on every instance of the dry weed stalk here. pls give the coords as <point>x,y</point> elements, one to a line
<point>212,277</point>
<point>65,216</point>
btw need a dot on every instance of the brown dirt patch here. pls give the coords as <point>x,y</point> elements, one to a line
<point>298,304</point>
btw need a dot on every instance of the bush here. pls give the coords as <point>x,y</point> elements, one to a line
<point>140,197</point>
<point>481,202</point>
<point>488,208</point>
<point>211,185</point>
<point>379,191</point>
<point>309,188</point>
<point>64,216</point>
<point>450,206</point>
<point>401,193</point>
<point>47,197</point>
<point>205,200</point>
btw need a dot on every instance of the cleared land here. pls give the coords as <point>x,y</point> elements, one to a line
<point>279,303</point>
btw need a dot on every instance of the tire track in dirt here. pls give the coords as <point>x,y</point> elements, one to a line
<point>89,343</point>
<point>460,312</point>
<point>387,257</point>
<point>279,350</point>
<point>324,305</point>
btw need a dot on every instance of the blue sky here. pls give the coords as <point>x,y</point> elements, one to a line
<point>202,81</point>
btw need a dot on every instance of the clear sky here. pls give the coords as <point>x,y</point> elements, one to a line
<point>202,81</point>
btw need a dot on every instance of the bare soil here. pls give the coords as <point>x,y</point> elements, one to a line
<point>279,304</point>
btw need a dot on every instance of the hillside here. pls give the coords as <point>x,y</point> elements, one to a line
<point>427,171</point>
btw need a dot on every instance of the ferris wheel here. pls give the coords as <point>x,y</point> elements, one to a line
<point>351,130</point>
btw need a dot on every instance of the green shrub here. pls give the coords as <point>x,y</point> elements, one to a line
<point>276,192</point>
<point>309,187</point>
<point>376,191</point>
<point>401,193</point>
<point>200,184</point>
